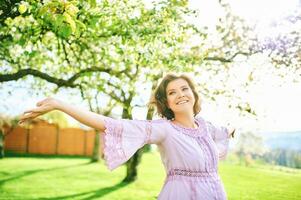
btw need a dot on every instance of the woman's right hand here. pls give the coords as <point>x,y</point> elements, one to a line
<point>43,107</point>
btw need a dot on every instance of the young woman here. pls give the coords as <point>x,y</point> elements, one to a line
<point>190,146</point>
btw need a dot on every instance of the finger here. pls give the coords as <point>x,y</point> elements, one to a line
<point>28,111</point>
<point>40,103</point>
<point>35,110</point>
<point>21,122</point>
<point>232,134</point>
<point>28,116</point>
<point>24,117</point>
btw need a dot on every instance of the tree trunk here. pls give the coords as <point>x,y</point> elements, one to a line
<point>131,167</point>
<point>1,145</point>
<point>95,155</point>
<point>150,114</point>
<point>132,163</point>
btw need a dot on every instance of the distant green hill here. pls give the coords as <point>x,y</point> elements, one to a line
<point>76,178</point>
<point>283,140</point>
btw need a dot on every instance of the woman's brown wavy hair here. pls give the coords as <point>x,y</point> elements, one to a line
<point>159,97</point>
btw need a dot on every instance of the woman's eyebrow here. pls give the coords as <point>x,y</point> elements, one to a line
<point>175,89</point>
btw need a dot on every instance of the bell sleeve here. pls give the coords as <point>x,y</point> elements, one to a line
<point>221,139</point>
<point>122,138</point>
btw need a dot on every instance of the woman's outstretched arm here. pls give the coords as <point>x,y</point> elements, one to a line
<point>88,118</point>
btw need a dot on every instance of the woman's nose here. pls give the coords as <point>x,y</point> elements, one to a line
<point>180,94</point>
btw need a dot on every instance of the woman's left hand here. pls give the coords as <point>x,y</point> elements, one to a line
<point>231,132</point>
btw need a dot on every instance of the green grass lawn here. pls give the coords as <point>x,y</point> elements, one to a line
<point>76,178</point>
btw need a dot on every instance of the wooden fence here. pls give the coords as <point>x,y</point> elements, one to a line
<point>44,138</point>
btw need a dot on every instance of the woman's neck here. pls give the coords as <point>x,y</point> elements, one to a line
<point>185,121</point>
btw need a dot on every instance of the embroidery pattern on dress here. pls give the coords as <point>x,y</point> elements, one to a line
<point>113,151</point>
<point>191,173</point>
<point>193,190</point>
<point>148,132</point>
<point>192,132</point>
<point>213,156</point>
<point>204,148</point>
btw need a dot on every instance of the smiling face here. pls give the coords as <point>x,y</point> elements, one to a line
<point>174,88</point>
<point>180,98</point>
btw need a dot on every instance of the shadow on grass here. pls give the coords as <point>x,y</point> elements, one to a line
<point>30,172</point>
<point>83,195</point>
<point>91,194</point>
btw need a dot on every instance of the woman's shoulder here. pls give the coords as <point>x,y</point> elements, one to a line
<point>151,121</point>
<point>203,120</point>
<point>159,121</point>
<point>160,124</point>
<point>200,119</point>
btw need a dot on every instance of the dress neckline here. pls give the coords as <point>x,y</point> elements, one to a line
<point>187,128</point>
<point>193,132</point>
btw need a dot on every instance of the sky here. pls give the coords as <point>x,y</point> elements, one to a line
<point>280,105</point>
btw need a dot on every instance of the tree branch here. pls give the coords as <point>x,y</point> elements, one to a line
<point>59,82</point>
<point>65,52</point>
<point>116,98</point>
<point>228,60</point>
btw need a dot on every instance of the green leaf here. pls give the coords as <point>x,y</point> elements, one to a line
<point>70,21</point>
<point>33,54</point>
<point>59,20</point>
<point>65,31</point>
<point>80,25</point>
<point>71,10</point>
<point>22,8</point>
<point>92,3</point>
<point>22,41</point>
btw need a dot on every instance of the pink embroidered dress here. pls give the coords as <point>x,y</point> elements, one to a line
<point>190,155</point>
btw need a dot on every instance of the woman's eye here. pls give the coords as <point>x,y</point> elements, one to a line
<point>171,93</point>
<point>185,88</point>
